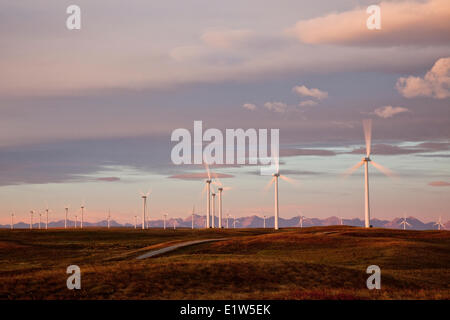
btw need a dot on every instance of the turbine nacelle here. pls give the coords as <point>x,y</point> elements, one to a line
<point>366,159</point>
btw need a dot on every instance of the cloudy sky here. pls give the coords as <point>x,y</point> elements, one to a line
<point>86,115</point>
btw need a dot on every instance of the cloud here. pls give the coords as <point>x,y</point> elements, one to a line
<point>227,38</point>
<point>386,149</point>
<point>435,84</point>
<point>402,23</point>
<point>389,111</point>
<point>108,179</point>
<point>314,93</point>
<point>199,176</point>
<point>279,107</point>
<point>306,152</point>
<point>308,103</point>
<point>439,184</point>
<point>249,106</point>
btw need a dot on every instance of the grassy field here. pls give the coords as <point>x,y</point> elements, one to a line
<point>309,263</point>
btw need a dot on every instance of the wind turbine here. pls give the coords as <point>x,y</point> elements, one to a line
<point>193,210</point>
<point>76,221</point>
<point>439,223</point>
<point>144,198</point>
<point>46,221</point>
<point>367,124</point>
<point>31,219</point>
<point>165,216</point>
<point>404,223</point>
<point>234,222</point>
<point>302,218</point>
<point>82,216</point>
<point>109,218</point>
<point>174,225</point>
<point>213,209</point>
<point>228,217</point>
<point>208,195</point>
<point>67,212</point>
<point>40,215</point>
<point>135,222</point>
<point>12,221</point>
<point>277,175</point>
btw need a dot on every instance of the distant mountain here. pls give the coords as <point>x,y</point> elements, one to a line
<point>247,222</point>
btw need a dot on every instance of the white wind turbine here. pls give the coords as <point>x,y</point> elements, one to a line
<point>365,161</point>
<point>228,218</point>
<point>31,219</point>
<point>221,189</point>
<point>46,220</point>
<point>40,217</point>
<point>109,218</point>
<point>404,223</point>
<point>213,195</point>
<point>165,217</point>
<point>67,213</point>
<point>193,211</point>
<point>76,221</point>
<point>144,209</point>
<point>12,221</point>
<point>208,195</point>
<point>234,222</point>
<point>277,175</point>
<point>439,224</point>
<point>135,222</point>
<point>82,216</point>
<point>302,219</point>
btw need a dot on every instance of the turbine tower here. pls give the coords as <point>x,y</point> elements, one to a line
<point>264,221</point>
<point>439,224</point>
<point>165,216</point>
<point>31,219</point>
<point>213,209</point>
<point>40,216</point>
<point>12,221</point>
<point>65,221</point>
<point>82,217</point>
<point>135,222</point>
<point>193,211</point>
<point>228,218</point>
<point>46,221</point>
<point>109,218</point>
<point>220,207</point>
<point>144,209</point>
<point>365,161</point>
<point>277,175</point>
<point>76,221</point>
<point>404,223</point>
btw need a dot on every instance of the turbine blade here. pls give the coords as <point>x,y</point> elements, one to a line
<point>288,180</point>
<point>269,184</point>
<point>207,169</point>
<point>353,169</point>
<point>367,123</point>
<point>383,169</point>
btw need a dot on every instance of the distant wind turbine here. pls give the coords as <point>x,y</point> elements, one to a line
<point>31,219</point>
<point>46,221</point>
<point>302,219</point>
<point>193,211</point>
<point>40,216</point>
<point>439,224</point>
<point>82,216</point>
<point>404,223</point>
<point>109,218</point>
<point>165,216</point>
<point>67,212</point>
<point>228,217</point>
<point>12,221</point>
<point>208,195</point>
<point>76,221</point>
<point>213,195</point>
<point>234,222</point>
<point>277,175</point>
<point>365,161</point>
<point>144,210</point>
<point>135,222</point>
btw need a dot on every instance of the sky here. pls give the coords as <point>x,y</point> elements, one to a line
<point>86,115</point>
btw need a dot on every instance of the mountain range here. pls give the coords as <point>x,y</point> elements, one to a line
<point>249,222</point>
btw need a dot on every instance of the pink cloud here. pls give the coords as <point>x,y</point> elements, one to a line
<point>435,83</point>
<point>402,23</point>
<point>439,184</point>
<point>389,111</point>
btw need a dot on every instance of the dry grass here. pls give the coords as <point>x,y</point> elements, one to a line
<point>312,263</point>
